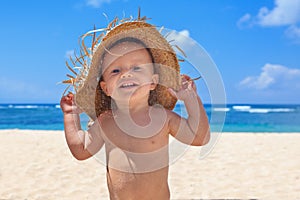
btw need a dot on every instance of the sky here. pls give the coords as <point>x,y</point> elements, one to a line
<point>255,44</point>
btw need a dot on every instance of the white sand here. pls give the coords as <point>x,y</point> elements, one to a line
<point>38,165</point>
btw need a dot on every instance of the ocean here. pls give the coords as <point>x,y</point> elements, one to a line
<point>229,118</point>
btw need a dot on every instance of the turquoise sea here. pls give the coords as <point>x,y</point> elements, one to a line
<point>236,117</point>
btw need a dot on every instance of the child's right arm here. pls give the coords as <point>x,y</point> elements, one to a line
<point>81,144</point>
<point>193,130</point>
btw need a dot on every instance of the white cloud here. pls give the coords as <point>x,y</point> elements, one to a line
<point>96,3</point>
<point>69,53</point>
<point>182,40</point>
<point>293,32</point>
<point>273,76</point>
<point>284,13</point>
<point>180,37</point>
<point>244,20</point>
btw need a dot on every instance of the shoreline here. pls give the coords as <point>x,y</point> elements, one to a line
<point>226,132</point>
<point>37,164</point>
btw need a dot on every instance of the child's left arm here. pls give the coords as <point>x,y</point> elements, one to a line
<point>195,129</point>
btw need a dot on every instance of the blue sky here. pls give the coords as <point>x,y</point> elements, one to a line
<point>254,43</point>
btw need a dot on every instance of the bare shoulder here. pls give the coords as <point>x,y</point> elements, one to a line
<point>102,121</point>
<point>105,117</point>
<point>171,118</point>
<point>174,121</point>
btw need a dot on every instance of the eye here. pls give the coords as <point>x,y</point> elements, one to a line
<point>115,71</point>
<point>136,68</point>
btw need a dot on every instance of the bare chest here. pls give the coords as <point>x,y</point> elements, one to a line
<point>130,154</point>
<point>132,138</point>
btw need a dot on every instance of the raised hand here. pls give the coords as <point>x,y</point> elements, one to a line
<point>187,89</point>
<point>68,106</point>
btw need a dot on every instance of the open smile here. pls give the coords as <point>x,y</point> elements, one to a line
<point>128,85</point>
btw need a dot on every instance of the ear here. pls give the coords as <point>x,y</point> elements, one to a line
<point>104,87</point>
<point>155,79</point>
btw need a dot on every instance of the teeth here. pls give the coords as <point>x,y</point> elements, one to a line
<point>127,84</point>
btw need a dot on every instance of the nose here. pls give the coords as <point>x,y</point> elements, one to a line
<point>127,74</point>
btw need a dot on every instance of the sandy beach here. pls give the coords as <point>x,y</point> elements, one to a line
<point>39,165</point>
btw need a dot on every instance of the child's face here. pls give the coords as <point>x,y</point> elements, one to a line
<point>128,72</point>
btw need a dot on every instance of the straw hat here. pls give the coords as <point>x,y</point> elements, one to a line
<point>89,95</point>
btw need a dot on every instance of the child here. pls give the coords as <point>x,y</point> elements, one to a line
<point>129,90</point>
